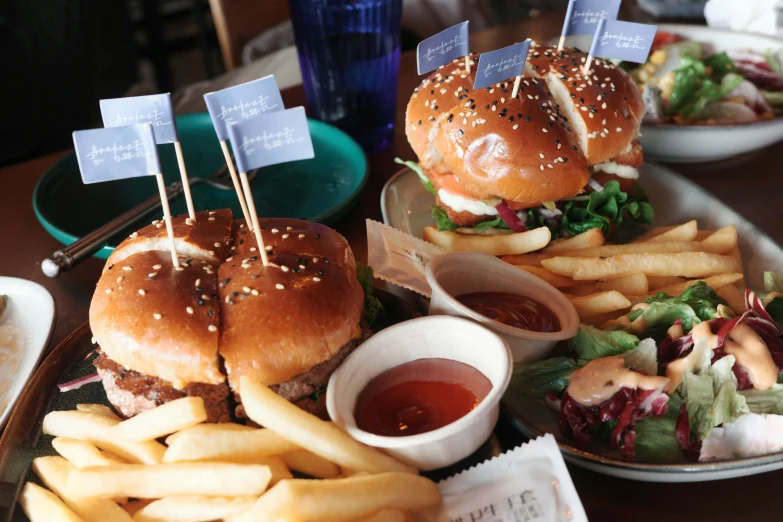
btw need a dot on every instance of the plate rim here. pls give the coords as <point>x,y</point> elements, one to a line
<point>103,253</point>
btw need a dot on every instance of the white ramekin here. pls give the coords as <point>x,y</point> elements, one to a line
<point>440,337</point>
<point>456,274</point>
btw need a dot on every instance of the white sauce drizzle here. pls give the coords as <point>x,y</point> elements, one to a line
<point>621,171</point>
<point>474,206</point>
<point>600,379</point>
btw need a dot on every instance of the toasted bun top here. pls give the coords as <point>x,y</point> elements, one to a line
<point>605,107</point>
<point>208,238</point>
<point>280,321</point>
<point>176,324</point>
<point>431,102</point>
<point>518,149</point>
<point>154,319</point>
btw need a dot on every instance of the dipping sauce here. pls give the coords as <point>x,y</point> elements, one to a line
<point>420,396</point>
<point>512,309</point>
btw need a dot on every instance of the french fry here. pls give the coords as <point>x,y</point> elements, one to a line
<point>599,303</point>
<point>721,241</point>
<point>600,320</point>
<point>564,266</point>
<point>193,508</point>
<point>41,505</point>
<point>714,282</point>
<point>214,479</point>
<point>345,499</point>
<point>701,235</point>
<point>308,431</point>
<point>517,243</point>
<point>669,247</point>
<point>98,409</point>
<point>555,280</point>
<point>733,296</point>
<point>656,282</point>
<point>82,453</point>
<point>308,463</point>
<point>582,289</point>
<point>207,427</point>
<point>653,232</point>
<point>590,239</point>
<point>526,259</point>
<point>685,232</point>
<point>277,468</point>
<point>736,255</point>
<point>168,418</point>
<point>387,515</point>
<point>226,445</point>
<point>630,284</point>
<point>689,264</point>
<point>54,473</point>
<point>98,429</point>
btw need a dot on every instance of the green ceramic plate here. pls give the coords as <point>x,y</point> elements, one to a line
<point>320,189</point>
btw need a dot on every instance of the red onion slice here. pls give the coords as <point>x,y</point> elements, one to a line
<point>510,217</point>
<point>78,383</point>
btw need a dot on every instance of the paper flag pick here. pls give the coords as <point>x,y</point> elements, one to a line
<point>440,49</point>
<point>116,153</point>
<point>583,16</point>
<point>154,109</point>
<point>270,139</point>
<point>627,41</point>
<point>497,66</point>
<point>241,102</point>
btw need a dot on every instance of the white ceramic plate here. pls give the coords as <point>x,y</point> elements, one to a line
<point>31,311</point>
<point>694,143</point>
<point>405,205</point>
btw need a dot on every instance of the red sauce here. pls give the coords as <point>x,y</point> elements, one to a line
<point>420,396</point>
<point>512,309</point>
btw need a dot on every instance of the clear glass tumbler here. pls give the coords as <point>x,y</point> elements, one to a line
<point>349,53</point>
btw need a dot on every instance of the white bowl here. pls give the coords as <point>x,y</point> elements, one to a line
<point>456,274</point>
<point>440,337</point>
<point>695,143</point>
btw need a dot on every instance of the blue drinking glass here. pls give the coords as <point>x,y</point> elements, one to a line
<point>349,53</point>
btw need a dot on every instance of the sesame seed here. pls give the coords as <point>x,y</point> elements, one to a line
<point>317,279</point>
<point>246,289</point>
<point>545,130</point>
<point>211,219</point>
<point>108,290</point>
<point>212,252</point>
<point>228,298</point>
<point>127,268</point>
<point>541,166</point>
<point>619,129</point>
<point>254,291</point>
<point>188,221</point>
<point>189,309</point>
<point>275,231</point>
<point>241,225</point>
<point>301,267</point>
<point>549,165</point>
<point>315,260</point>
<point>285,236</point>
<point>284,268</point>
<point>279,286</point>
<point>229,259</point>
<point>212,328</point>
<point>516,126</point>
<point>141,291</point>
<point>157,316</point>
<point>152,274</point>
<point>253,249</point>
<point>119,279</point>
<point>541,155</point>
<point>157,267</point>
<point>289,228</point>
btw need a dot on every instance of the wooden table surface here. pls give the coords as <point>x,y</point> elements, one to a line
<point>751,184</point>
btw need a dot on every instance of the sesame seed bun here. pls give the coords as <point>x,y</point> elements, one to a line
<point>139,316</point>
<point>430,104</point>
<point>281,321</point>
<point>519,149</point>
<point>208,238</point>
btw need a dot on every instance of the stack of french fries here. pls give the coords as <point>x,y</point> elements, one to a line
<point>604,281</point>
<point>112,470</point>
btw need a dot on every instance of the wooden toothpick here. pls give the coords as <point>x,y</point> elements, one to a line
<point>254,216</point>
<point>164,200</point>
<point>185,183</point>
<point>232,171</point>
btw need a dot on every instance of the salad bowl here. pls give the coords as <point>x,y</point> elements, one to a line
<point>723,138</point>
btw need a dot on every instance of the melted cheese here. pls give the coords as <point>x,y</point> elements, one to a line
<point>621,171</point>
<point>752,354</point>
<point>600,379</point>
<point>463,204</point>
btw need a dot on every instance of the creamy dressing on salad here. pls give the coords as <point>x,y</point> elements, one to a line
<point>600,379</point>
<point>474,206</point>
<point>621,171</point>
<point>742,342</point>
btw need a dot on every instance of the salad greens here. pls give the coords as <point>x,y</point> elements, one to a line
<point>605,210</point>
<point>698,83</point>
<point>372,305</point>
<point>547,376</point>
<point>765,401</point>
<point>643,358</point>
<point>591,343</point>
<point>415,167</point>
<point>656,437</point>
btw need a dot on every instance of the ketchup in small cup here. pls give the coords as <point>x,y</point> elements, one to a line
<point>420,396</point>
<point>514,310</point>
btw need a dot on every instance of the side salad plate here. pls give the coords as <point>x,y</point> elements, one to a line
<point>405,205</point>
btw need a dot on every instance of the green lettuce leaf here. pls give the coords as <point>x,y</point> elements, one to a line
<point>643,358</point>
<point>765,401</point>
<point>661,315</point>
<point>773,282</point>
<point>720,65</point>
<point>775,100</point>
<point>372,306</point>
<point>591,343</point>
<point>656,440</point>
<point>771,56</point>
<point>711,397</point>
<point>415,167</point>
<point>540,378</point>
<point>605,210</point>
<point>444,223</point>
<point>697,84</point>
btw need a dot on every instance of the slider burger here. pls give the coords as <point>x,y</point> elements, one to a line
<point>562,154</point>
<point>167,332</point>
